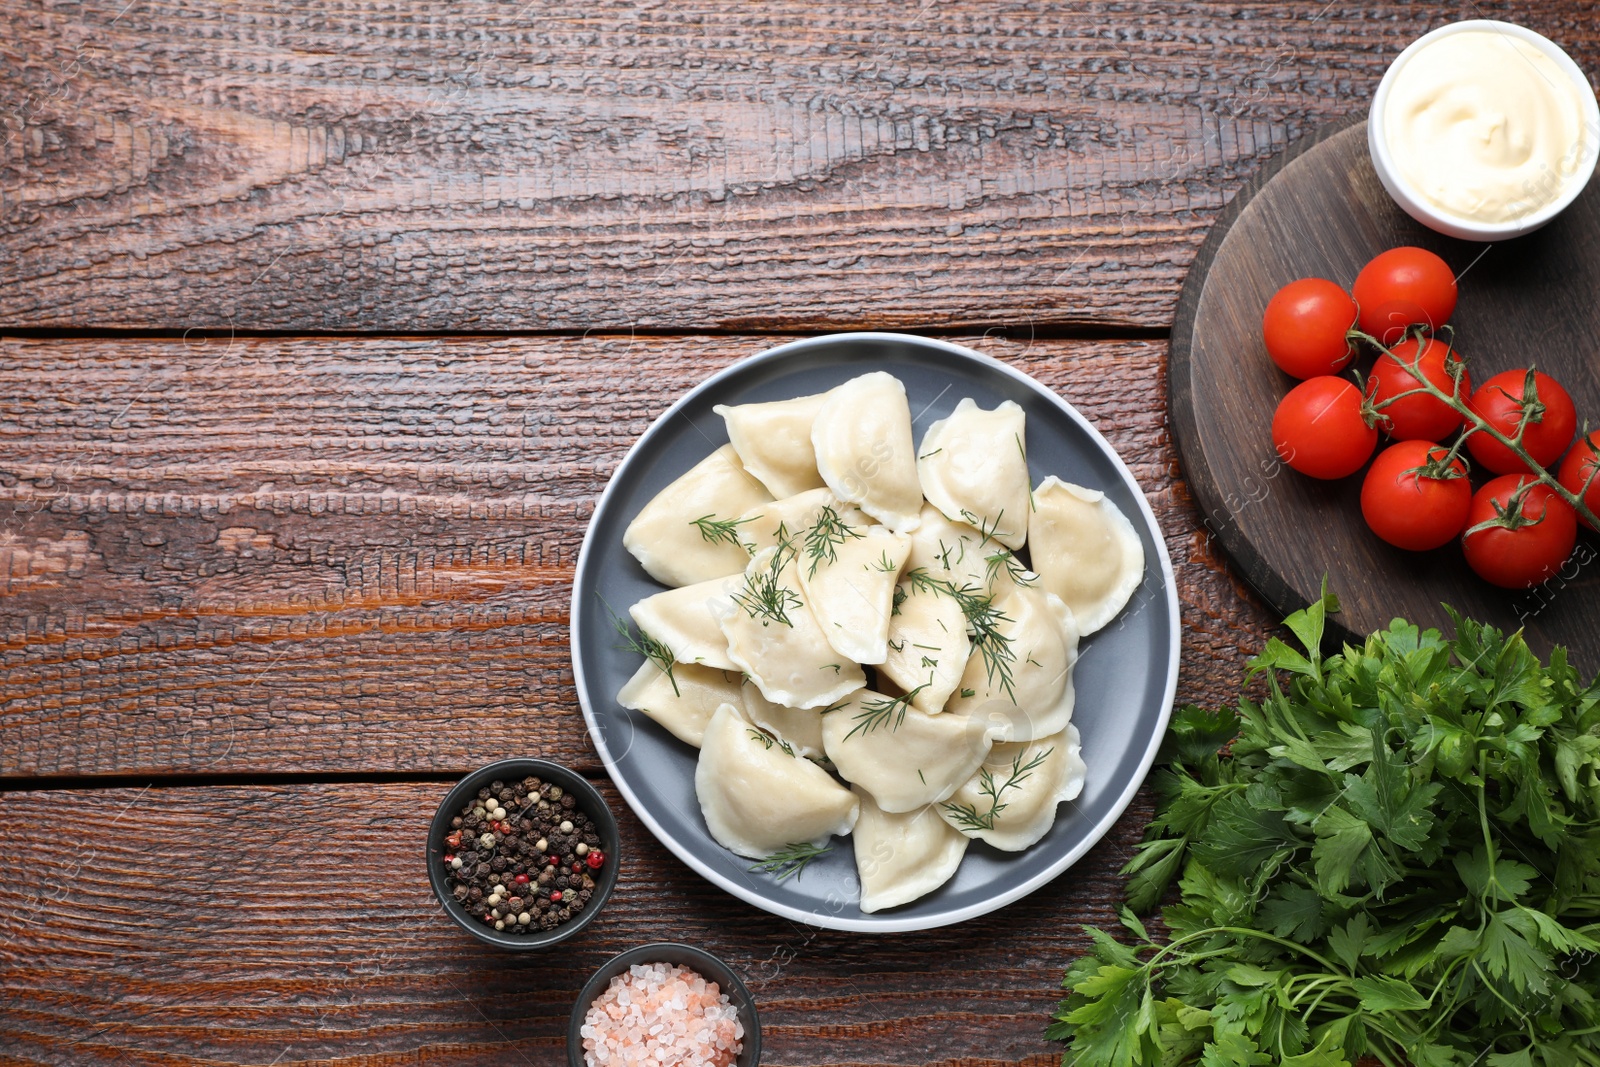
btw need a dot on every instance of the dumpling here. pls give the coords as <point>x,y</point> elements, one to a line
<point>901,856</point>
<point>1085,550</point>
<point>862,438</point>
<point>796,514</point>
<point>927,645</point>
<point>904,757</point>
<point>757,799</point>
<point>973,467</point>
<point>687,621</point>
<point>774,638</point>
<point>774,442</point>
<point>800,728</point>
<point>1011,803</point>
<point>848,575</point>
<point>950,550</point>
<point>689,532</point>
<point>1019,678</point>
<point>684,702</point>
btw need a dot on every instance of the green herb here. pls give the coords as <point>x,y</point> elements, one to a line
<point>900,594</point>
<point>719,531</point>
<point>983,626</point>
<point>943,555</point>
<point>884,711</point>
<point>968,817</point>
<point>643,644</point>
<point>1399,857</point>
<point>824,538</point>
<point>985,530</point>
<point>1005,559</point>
<point>935,452</point>
<point>968,693</point>
<point>768,740</point>
<point>884,563</point>
<point>791,860</point>
<point>764,596</point>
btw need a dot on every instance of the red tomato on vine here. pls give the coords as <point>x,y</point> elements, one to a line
<point>1416,496</point>
<point>1519,532</point>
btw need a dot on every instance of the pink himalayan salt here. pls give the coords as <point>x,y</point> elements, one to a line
<point>661,1015</point>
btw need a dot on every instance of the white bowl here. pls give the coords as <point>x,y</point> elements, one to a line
<point>1407,196</point>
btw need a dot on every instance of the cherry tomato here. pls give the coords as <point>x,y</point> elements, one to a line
<point>1579,468</point>
<point>1401,287</point>
<point>1319,428</point>
<point>1409,505</point>
<point>1305,326</point>
<point>1550,427</point>
<point>1420,417</point>
<point>1532,541</point>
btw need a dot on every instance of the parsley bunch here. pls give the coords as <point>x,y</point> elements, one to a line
<point>1398,858</point>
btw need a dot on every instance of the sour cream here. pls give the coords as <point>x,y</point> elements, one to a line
<point>1485,127</point>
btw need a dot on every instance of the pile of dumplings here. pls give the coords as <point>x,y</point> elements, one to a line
<point>855,645</point>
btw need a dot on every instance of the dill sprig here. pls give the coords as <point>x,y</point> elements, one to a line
<point>1007,559</point>
<point>643,644</point>
<point>719,531</point>
<point>884,711</point>
<point>825,536</point>
<point>768,740</point>
<point>967,816</point>
<point>764,596</point>
<point>986,530</point>
<point>791,859</point>
<point>984,620</point>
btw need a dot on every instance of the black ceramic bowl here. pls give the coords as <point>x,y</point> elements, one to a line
<point>589,802</point>
<point>709,967</point>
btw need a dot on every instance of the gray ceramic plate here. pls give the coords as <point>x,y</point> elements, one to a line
<point>1125,679</point>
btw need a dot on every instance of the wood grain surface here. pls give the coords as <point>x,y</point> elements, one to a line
<point>354,164</point>
<point>294,925</point>
<point>1320,211</point>
<point>323,323</point>
<point>347,555</point>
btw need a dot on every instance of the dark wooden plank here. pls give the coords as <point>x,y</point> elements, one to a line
<point>342,555</point>
<point>294,925</point>
<point>350,164</point>
<point>1320,211</point>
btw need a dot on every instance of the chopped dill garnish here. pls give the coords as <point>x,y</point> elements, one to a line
<point>764,597</point>
<point>969,693</point>
<point>929,661</point>
<point>983,625</point>
<point>1006,559</point>
<point>884,563</point>
<point>791,859</point>
<point>885,711</point>
<point>926,455</point>
<point>768,740</point>
<point>643,645</point>
<point>900,595</point>
<point>986,531</point>
<point>824,538</point>
<point>719,531</point>
<point>836,667</point>
<point>967,817</point>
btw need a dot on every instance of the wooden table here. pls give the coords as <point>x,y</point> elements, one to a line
<point>324,323</point>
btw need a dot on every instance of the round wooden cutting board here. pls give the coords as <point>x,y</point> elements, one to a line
<point>1318,210</point>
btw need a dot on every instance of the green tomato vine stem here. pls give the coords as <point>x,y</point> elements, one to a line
<point>1478,424</point>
